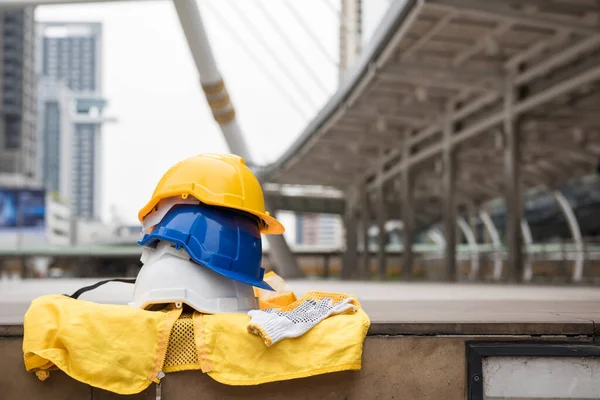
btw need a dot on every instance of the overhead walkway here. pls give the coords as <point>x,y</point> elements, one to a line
<point>455,103</point>
<point>305,199</point>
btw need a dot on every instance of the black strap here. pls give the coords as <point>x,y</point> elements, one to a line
<point>97,284</point>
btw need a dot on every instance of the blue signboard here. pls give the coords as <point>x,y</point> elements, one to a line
<point>22,208</point>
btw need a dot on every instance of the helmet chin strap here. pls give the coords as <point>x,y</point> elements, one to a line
<point>98,284</point>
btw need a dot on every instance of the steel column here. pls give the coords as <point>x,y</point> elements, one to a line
<point>381,215</point>
<point>350,259</point>
<point>365,214</point>
<point>408,220</point>
<point>496,243</point>
<point>513,199</point>
<point>326,262</point>
<point>449,198</point>
<point>575,229</point>
<point>224,113</point>
<point>350,34</point>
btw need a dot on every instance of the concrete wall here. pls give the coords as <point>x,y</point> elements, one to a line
<point>394,367</point>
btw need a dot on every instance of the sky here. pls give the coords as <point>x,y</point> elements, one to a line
<point>152,85</point>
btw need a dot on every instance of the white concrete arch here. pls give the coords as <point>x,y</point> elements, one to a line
<point>496,243</point>
<point>575,229</point>
<point>470,236</point>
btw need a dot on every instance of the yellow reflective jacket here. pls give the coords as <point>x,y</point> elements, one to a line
<point>123,349</point>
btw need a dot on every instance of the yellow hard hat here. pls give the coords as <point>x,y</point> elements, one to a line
<point>216,179</point>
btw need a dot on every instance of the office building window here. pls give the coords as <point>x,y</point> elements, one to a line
<point>12,132</point>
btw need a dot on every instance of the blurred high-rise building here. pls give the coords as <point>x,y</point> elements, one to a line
<point>71,113</point>
<point>359,21</point>
<point>350,35</point>
<point>17,98</point>
<point>72,52</point>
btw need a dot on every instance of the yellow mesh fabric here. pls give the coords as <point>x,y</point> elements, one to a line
<point>186,340</point>
<point>182,354</point>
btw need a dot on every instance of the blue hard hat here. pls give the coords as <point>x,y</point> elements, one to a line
<point>224,240</point>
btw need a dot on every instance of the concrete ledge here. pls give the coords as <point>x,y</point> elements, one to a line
<point>426,318</point>
<point>9,331</point>
<point>582,328</point>
<point>465,318</point>
<point>461,317</point>
<point>398,367</point>
<point>415,348</point>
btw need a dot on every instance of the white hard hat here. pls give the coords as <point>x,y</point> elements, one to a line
<point>168,275</point>
<point>162,208</point>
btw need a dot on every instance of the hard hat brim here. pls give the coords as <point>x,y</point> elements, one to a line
<point>150,239</point>
<point>200,288</point>
<point>270,226</point>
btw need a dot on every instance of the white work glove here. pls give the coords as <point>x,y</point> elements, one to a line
<point>274,325</point>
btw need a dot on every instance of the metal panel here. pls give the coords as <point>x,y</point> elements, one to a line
<point>476,352</point>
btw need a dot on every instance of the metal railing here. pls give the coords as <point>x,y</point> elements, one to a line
<point>543,262</point>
